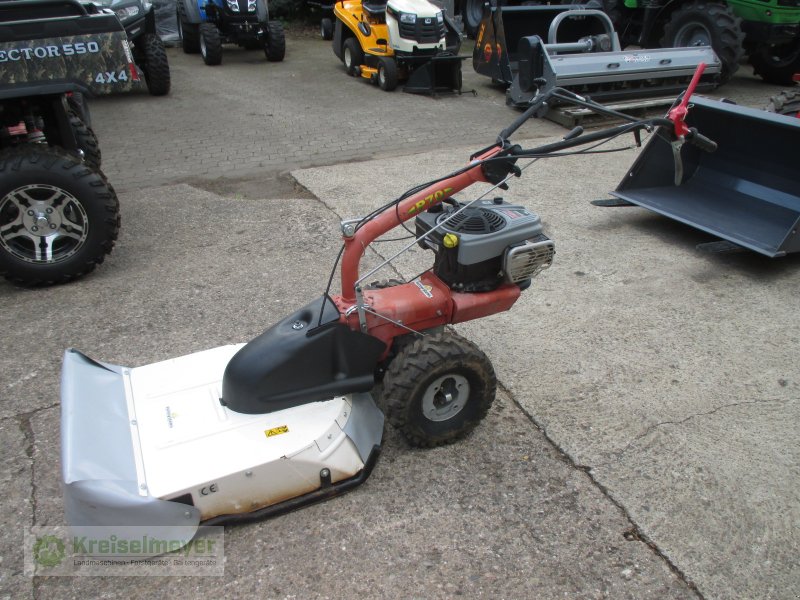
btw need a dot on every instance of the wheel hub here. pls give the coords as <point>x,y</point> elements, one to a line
<point>42,223</point>
<point>445,397</point>
<point>41,219</point>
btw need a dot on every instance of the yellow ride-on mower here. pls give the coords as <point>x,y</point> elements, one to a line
<point>388,41</point>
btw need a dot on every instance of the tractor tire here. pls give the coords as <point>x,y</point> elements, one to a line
<point>387,74</point>
<point>472,14</point>
<point>776,64</point>
<point>326,28</point>
<point>210,44</point>
<point>707,24</point>
<point>188,32</point>
<point>785,103</point>
<point>156,65</point>
<point>352,55</point>
<point>44,189</point>
<point>86,140</point>
<point>437,389</point>
<point>275,46</point>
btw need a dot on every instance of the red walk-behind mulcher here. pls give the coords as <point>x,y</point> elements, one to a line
<point>245,431</point>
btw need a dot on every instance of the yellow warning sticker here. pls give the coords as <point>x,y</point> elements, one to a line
<point>277,430</point>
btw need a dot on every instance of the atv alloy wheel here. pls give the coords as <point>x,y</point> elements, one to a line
<point>210,44</point>
<point>275,45</point>
<point>387,74</point>
<point>86,140</point>
<point>58,217</point>
<point>156,66</point>
<point>437,389</point>
<point>352,55</point>
<point>188,32</point>
<point>707,24</point>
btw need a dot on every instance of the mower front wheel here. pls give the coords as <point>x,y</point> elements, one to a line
<point>210,44</point>
<point>387,74</point>
<point>352,55</point>
<point>437,389</point>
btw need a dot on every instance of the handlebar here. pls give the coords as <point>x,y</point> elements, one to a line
<point>698,139</point>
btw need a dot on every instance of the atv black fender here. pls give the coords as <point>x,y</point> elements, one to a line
<point>301,359</point>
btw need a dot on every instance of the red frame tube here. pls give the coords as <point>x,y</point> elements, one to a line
<point>354,247</point>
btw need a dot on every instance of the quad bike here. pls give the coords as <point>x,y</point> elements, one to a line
<point>245,431</point>
<point>390,41</point>
<point>59,216</point>
<point>139,20</point>
<point>204,25</point>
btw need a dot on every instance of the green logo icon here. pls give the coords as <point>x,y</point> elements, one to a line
<point>49,551</point>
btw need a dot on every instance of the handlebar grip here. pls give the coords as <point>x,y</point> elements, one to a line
<point>698,139</point>
<point>529,112</point>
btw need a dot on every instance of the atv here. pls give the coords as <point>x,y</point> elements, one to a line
<point>59,216</point>
<point>204,25</point>
<point>390,41</point>
<point>138,19</point>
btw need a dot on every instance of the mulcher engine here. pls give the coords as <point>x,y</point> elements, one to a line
<point>480,247</point>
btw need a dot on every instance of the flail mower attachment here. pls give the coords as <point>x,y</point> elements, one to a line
<point>747,192</point>
<point>533,49</point>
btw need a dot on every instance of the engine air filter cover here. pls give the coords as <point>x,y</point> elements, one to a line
<point>487,231</point>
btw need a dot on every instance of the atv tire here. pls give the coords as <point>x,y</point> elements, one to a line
<point>776,64</point>
<point>786,103</point>
<point>387,74</point>
<point>437,389</point>
<point>326,29</point>
<point>86,140</point>
<point>44,189</point>
<point>156,66</point>
<point>275,46</point>
<point>210,44</point>
<point>707,24</point>
<point>352,55</point>
<point>188,32</point>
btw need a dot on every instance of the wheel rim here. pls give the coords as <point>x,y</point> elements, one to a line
<point>203,49</point>
<point>692,34</point>
<point>382,76</point>
<point>42,223</point>
<point>781,56</point>
<point>348,58</point>
<point>445,397</point>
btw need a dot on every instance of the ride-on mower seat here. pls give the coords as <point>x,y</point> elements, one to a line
<point>374,7</point>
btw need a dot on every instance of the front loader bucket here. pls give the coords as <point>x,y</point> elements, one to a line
<point>747,192</point>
